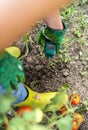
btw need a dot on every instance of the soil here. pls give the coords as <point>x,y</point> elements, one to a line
<point>68,67</point>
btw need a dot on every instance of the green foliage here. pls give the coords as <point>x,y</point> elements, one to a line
<point>67,12</point>
<point>33,119</point>
<point>77,32</point>
<point>84,107</point>
<point>58,101</point>
<point>40,39</point>
<point>34,116</point>
<point>83,2</point>
<point>28,121</point>
<point>86,103</point>
<point>65,123</point>
<point>26,38</point>
<point>5,103</point>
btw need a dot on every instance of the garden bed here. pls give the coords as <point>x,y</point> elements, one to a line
<point>70,66</point>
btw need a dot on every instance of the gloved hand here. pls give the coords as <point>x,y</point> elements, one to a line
<point>50,40</point>
<point>11,71</point>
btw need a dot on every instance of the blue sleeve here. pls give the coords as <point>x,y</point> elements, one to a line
<point>20,93</point>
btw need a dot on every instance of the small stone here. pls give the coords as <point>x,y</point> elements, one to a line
<point>80,53</point>
<point>39,67</point>
<point>65,73</point>
<point>68,66</point>
<point>29,59</point>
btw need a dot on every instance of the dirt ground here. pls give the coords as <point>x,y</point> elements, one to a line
<point>69,66</point>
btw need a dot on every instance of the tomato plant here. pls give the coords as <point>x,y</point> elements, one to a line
<point>63,109</point>
<point>78,118</point>
<point>6,126</point>
<point>67,118</point>
<point>23,109</point>
<point>75,125</point>
<point>75,99</point>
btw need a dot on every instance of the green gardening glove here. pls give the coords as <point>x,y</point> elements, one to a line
<point>50,40</point>
<point>11,71</point>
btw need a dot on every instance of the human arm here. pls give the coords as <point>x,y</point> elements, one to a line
<point>17,16</point>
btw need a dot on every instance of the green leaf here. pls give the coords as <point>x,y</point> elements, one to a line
<point>22,123</point>
<point>57,102</point>
<point>26,38</point>
<point>66,87</point>
<point>38,37</point>
<point>37,127</point>
<point>35,116</point>
<point>65,123</point>
<point>86,102</point>
<point>17,123</point>
<point>5,103</point>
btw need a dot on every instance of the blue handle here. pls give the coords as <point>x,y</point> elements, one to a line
<point>50,49</point>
